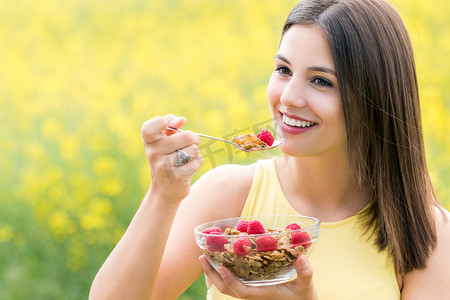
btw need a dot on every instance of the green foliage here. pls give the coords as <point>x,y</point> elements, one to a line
<point>80,77</point>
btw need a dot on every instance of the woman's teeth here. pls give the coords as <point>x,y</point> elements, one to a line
<point>297,123</point>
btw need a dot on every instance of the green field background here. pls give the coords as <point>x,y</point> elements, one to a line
<point>78,78</point>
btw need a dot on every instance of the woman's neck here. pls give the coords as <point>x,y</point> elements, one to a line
<point>321,187</point>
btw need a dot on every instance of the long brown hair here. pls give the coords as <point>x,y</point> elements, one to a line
<point>376,73</point>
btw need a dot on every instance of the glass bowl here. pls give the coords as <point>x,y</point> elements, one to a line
<point>258,255</point>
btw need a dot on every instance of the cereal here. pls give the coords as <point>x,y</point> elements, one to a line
<point>253,265</point>
<point>249,141</point>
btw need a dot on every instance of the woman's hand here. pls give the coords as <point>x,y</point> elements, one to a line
<point>131,269</point>
<point>300,288</point>
<point>171,182</point>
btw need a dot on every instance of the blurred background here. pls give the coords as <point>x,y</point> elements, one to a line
<point>78,78</point>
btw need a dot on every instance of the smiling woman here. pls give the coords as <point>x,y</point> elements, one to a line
<point>80,77</point>
<point>304,89</point>
<point>344,98</point>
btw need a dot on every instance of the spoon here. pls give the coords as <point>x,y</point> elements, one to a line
<point>275,144</point>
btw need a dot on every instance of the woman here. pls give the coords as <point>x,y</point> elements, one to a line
<point>347,68</point>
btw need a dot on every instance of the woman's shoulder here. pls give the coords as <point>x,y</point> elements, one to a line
<point>227,187</point>
<point>442,216</point>
<point>442,221</point>
<point>229,176</point>
<point>431,282</point>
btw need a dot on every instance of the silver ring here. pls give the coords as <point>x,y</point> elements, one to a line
<point>183,158</point>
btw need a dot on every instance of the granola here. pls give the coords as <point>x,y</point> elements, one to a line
<point>249,141</point>
<point>258,265</point>
<point>249,263</point>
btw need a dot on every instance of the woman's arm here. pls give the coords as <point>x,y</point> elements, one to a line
<point>433,281</point>
<point>137,267</point>
<point>130,270</point>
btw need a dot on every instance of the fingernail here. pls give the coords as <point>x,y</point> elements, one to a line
<point>304,263</point>
<point>201,260</point>
<point>222,272</point>
<point>176,120</point>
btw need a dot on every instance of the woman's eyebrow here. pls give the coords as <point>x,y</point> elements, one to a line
<point>323,69</point>
<point>281,57</point>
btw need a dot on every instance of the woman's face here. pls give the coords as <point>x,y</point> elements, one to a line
<point>304,97</point>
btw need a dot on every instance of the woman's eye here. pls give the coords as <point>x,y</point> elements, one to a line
<point>283,70</point>
<point>322,82</point>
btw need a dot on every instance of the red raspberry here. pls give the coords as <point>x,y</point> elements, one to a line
<point>242,225</point>
<point>212,229</point>
<point>266,137</point>
<point>216,243</point>
<point>255,227</point>
<point>293,226</point>
<point>301,238</point>
<point>242,246</point>
<point>266,243</point>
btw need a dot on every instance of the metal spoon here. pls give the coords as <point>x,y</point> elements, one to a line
<point>275,144</point>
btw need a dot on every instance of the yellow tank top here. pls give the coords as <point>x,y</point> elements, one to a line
<point>346,265</point>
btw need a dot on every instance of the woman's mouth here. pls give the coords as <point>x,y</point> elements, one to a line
<point>292,125</point>
<point>297,123</point>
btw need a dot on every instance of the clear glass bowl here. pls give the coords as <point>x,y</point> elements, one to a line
<point>258,259</point>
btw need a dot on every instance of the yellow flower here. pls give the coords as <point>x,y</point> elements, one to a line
<point>61,225</point>
<point>6,233</point>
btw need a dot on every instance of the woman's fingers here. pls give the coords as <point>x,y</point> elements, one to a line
<point>226,282</point>
<point>194,162</point>
<point>152,129</point>
<point>174,122</point>
<point>304,280</point>
<point>301,287</point>
<point>166,149</point>
<point>209,270</point>
<point>171,170</point>
<point>233,285</point>
<point>216,278</point>
<point>170,144</point>
<point>155,128</point>
<point>304,270</point>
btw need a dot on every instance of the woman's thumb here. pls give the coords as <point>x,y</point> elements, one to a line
<point>304,272</point>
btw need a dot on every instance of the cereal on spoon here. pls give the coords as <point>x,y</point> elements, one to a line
<point>252,141</point>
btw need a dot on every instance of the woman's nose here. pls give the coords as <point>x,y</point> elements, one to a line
<point>294,94</point>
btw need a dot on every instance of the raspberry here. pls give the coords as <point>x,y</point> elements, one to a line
<point>216,243</point>
<point>293,226</point>
<point>266,137</point>
<point>266,243</point>
<point>242,225</point>
<point>255,227</point>
<point>242,246</point>
<point>301,239</point>
<point>212,229</point>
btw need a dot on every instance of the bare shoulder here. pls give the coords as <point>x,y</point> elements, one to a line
<point>227,186</point>
<point>432,282</point>
<point>442,220</point>
<point>220,193</point>
<point>232,172</point>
